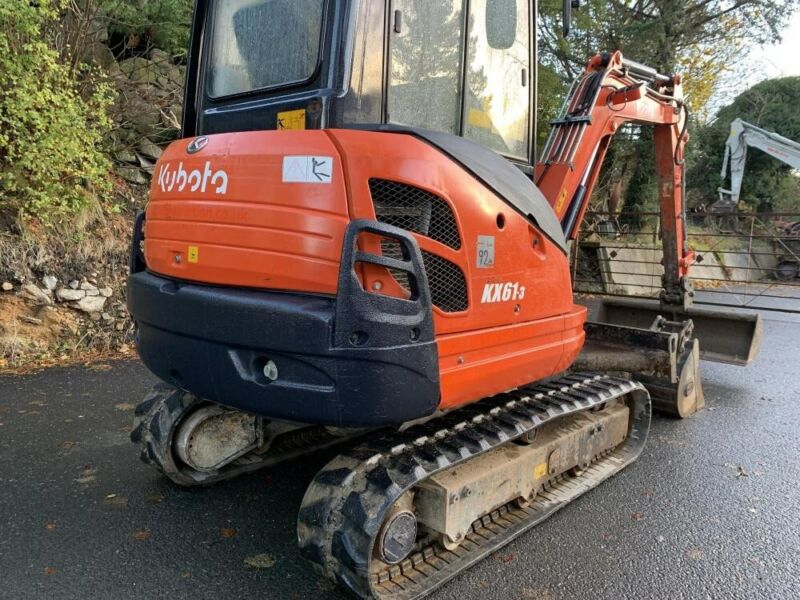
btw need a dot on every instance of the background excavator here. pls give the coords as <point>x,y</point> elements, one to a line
<point>745,135</point>
<point>354,239</point>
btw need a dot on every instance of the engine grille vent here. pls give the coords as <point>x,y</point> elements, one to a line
<point>446,280</point>
<point>414,209</point>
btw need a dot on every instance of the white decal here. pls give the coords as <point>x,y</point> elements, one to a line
<point>170,178</point>
<point>502,292</point>
<point>485,251</point>
<point>307,169</point>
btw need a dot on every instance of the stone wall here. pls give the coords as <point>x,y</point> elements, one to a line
<point>636,270</point>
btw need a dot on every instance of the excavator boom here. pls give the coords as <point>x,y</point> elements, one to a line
<point>613,92</point>
<point>662,340</point>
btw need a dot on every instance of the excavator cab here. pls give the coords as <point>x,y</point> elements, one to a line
<point>462,68</point>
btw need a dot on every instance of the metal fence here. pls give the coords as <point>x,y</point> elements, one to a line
<point>743,259</point>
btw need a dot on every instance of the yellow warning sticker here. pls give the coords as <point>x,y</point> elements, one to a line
<point>479,118</point>
<point>194,254</point>
<point>292,119</point>
<point>540,471</point>
<point>562,198</point>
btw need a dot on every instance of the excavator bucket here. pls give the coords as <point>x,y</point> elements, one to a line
<point>725,337</point>
<point>661,346</point>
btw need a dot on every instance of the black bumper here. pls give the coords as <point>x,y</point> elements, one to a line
<point>362,360</point>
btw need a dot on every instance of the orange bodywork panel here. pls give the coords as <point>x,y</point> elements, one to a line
<point>247,228</point>
<point>269,210</point>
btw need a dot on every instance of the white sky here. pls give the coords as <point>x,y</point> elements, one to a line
<point>780,60</point>
<point>762,62</point>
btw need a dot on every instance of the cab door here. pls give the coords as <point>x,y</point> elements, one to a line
<point>426,64</point>
<point>498,84</point>
<point>465,67</point>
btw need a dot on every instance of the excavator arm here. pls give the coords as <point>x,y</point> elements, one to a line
<point>611,93</point>
<point>661,341</point>
<point>742,136</point>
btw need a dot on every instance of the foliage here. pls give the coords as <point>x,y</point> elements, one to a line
<point>151,23</point>
<point>53,119</point>
<point>771,105</point>
<point>703,39</point>
<point>552,90</point>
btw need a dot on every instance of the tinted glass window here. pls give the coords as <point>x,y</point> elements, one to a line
<point>263,43</point>
<point>426,64</point>
<point>497,93</point>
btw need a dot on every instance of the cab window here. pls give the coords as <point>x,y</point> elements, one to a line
<point>425,73</point>
<point>497,90</point>
<point>257,44</point>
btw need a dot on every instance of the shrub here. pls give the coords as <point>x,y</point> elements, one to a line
<point>53,118</point>
<point>152,23</point>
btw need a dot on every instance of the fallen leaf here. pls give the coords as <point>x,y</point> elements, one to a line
<point>507,558</point>
<point>637,516</point>
<point>227,532</point>
<point>694,554</point>
<point>142,535</point>
<point>185,574</point>
<point>88,475</point>
<point>50,570</point>
<point>50,527</point>
<point>260,561</point>
<point>68,445</point>
<point>154,499</point>
<point>99,367</point>
<point>124,406</point>
<point>536,594</point>
<point>117,501</point>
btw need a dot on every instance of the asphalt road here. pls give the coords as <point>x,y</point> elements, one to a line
<point>711,510</point>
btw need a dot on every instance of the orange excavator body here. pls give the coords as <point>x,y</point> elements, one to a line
<point>235,214</point>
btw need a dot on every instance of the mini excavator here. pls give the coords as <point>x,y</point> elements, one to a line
<point>354,239</point>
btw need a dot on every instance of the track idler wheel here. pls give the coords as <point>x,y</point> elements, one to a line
<point>155,422</point>
<point>196,443</point>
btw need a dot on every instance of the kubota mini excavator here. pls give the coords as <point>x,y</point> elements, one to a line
<point>349,240</point>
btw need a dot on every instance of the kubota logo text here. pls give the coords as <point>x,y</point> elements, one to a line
<point>170,178</point>
<point>502,292</point>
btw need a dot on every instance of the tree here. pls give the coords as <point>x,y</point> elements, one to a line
<point>144,24</point>
<point>771,105</point>
<point>701,38</point>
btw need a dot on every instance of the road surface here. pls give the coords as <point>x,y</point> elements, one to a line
<point>711,510</point>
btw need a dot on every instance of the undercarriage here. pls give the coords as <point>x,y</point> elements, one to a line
<point>407,510</point>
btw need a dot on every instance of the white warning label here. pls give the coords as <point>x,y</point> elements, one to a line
<point>485,251</point>
<point>307,169</point>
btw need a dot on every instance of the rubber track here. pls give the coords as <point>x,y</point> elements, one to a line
<point>156,420</point>
<point>347,502</point>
